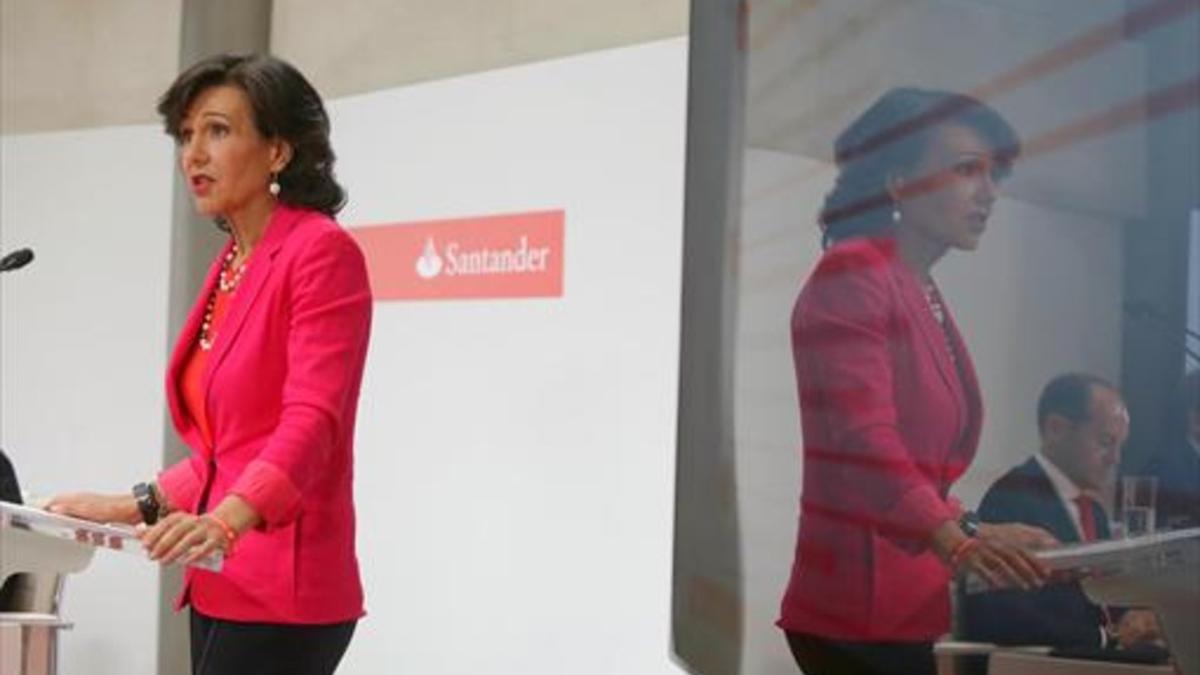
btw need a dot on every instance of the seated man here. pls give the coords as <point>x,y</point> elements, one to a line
<point>1178,465</point>
<point>1083,422</point>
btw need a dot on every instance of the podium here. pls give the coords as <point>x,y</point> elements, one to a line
<point>29,631</point>
<point>45,548</point>
<point>1160,571</point>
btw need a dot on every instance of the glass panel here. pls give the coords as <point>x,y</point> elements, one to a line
<point>897,302</point>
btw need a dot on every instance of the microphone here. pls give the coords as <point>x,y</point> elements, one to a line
<point>16,260</point>
<point>1144,310</point>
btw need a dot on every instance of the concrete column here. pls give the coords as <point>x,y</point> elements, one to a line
<point>707,588</point>
<point>208,27</point>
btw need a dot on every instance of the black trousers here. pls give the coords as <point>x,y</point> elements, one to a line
<point>221,647</point>
<point>822,656</point>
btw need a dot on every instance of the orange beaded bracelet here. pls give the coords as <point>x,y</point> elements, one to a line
<point>230,534</point>
<point>961,550</point>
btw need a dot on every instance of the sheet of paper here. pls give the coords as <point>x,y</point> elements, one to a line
<point>117,537</point>
<point>1115,557</point>
<point>1135,554</point>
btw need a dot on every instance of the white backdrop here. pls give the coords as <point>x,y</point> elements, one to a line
<point>84,343</point>
<point>515,457</point>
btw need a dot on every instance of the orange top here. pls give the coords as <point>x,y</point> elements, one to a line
<point>191,384</point>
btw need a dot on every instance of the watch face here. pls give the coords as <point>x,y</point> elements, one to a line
<point>969,523</point>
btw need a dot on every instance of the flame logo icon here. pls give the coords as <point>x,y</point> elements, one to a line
<point>429,265</point>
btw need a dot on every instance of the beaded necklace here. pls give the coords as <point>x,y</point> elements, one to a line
<point>227,282</point>
<point>938,309</point>
<point>935,304</point>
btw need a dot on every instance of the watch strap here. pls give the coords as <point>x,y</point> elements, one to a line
<point>147,503</point>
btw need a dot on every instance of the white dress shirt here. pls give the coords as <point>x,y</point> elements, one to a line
<point>1067,491</point>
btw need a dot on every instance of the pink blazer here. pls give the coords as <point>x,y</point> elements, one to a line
<point>891,413</point>
<point>282,387</point>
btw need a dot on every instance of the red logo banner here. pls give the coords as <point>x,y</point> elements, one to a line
<point>517,255</point>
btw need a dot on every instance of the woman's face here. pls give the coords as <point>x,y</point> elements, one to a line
<point>947,198</point>
<point>227,162</point>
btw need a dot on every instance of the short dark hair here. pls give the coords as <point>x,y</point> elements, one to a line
<point>1069,396</point>
<point>285,106</point>
<point>893,134</point>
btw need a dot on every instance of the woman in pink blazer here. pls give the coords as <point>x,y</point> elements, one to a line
<point>263,382</point>
<point>889,402</point>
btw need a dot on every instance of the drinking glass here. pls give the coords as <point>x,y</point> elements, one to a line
<point>1138,495</point>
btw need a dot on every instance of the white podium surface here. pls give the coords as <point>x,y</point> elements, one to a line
<point>1160,571</point>
<point>40,543</point>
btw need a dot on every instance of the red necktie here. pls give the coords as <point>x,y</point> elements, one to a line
<point>1087,523</point>
<point>1087,517</point>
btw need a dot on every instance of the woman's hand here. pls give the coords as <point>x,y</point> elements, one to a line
<point>1137,627</point>
<point>96,507</point>
<point>1001,554</point>
<point>184,537</point>
<point>187,538</point>
<point>1004,556</point>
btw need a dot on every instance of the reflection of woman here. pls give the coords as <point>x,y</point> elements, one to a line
<point>890,407</point>
<point>263,383</point>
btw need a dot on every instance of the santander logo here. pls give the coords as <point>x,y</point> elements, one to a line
<point>429,265</point>
<point>500,256</point>
<point>459,260</point>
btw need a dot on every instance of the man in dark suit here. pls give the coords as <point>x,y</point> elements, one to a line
<point>10,491</point>
<point>1178,466</point>
<point>1083,422</point>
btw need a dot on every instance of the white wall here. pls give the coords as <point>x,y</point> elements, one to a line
<point>84,348</point>
<point>1041,296</point>
<point>515,458</point>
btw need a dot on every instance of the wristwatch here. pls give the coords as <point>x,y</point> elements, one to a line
<point>968,522</point>
<point>147,503</point>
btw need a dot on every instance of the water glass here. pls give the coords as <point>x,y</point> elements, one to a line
<point>1138,497</point>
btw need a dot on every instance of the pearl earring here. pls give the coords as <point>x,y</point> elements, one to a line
<point>896,214</point>
<point>273,188</point>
